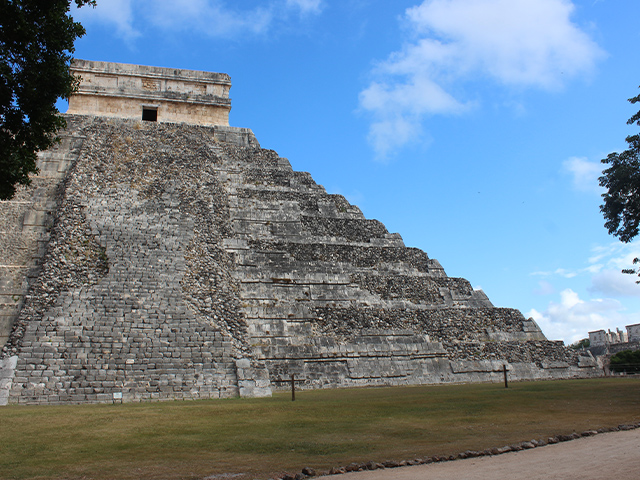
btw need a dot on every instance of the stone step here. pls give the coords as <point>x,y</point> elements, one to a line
<point>360,255</point>
<point>308,201</point>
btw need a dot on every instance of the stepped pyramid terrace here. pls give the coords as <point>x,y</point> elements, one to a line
<point>162,254</point>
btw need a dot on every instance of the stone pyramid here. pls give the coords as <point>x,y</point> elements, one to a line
<point>155,260</point>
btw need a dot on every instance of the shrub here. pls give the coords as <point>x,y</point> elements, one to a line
<point>627,361</point>
<point>580,344</point>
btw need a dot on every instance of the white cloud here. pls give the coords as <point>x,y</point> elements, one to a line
<point>213,18</point>
<point>422,95</point>
<point>392,132</point>
<point>615,283</point>
<point>209,17</point>
<point>572,318</point>
<point>616,255</point>
<point>605,267</point>
<point>584,174</point>
<point>114,13</point>
<point>520,43</point>
<point>612,259</point>
<point>561,272</point>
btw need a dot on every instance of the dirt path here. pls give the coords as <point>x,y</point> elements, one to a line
<point>609,455</point>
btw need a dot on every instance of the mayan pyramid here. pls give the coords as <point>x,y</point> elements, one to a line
<point>161,254</point>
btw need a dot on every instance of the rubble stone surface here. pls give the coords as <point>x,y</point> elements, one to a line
<point>185,261</point>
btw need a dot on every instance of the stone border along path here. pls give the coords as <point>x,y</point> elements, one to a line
<point>352,468</point>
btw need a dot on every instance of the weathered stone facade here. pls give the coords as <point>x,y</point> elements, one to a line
<point>25,223</point>
<point>605,343</point>
<point>185,261</point>
<point>166,94</point>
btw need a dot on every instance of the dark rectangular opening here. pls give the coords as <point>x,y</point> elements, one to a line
<point>149,114</point>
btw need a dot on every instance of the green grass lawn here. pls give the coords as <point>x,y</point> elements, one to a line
<point>321,429</point>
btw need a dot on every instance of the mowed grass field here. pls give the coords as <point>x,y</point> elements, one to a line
<point>259,438</point>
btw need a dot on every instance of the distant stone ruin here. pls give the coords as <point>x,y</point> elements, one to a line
<point>603,343</point>
<point>176,259</point>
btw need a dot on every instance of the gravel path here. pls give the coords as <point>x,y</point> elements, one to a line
<point>609,455</point>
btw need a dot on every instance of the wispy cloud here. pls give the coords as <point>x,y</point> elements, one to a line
<point>614,283</point>
<point>307,6</point>
<point>561,272</point>
<point>604,267</point>
<point>572,318</point>
<point>609,280</point>
<point>451,43</point>
<point>117,14</point>
<point>584,174</point>
<point>616,255</point>
<point>212,18</point>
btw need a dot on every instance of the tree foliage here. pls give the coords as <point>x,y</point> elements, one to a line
<point>625,361</point>
<point>581,344</point>
<point>36,43</point>
<point>621,207</point>
<point>633,271</point>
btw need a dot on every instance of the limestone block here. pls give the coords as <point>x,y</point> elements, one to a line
<point>552,365</point>
<point>253,380</point>
<point>7,369</point>
<point>477,366</point>
<point>587,362</point>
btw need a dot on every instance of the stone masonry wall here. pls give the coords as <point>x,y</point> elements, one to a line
<point>25,223</point>
<point>122,90</point>
<point>187,262</point>
<point>134,297</point>
<point>337,300</point>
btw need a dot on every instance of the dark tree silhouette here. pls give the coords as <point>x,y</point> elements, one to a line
<point>36,43</point>
<point>621,207</point>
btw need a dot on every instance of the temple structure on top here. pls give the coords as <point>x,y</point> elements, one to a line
<point>151,93</point>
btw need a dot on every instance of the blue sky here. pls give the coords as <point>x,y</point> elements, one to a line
<point>474,128</point>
